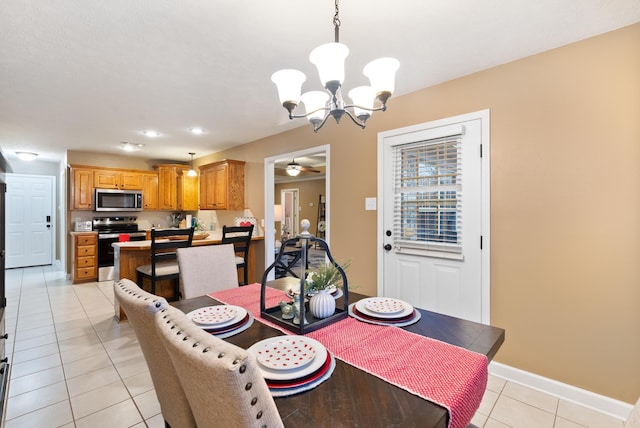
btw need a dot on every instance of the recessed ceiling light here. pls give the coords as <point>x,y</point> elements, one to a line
<point>197,131</point>
<point>27,156</point>
<point>130,147</point>
<point>151,133</point>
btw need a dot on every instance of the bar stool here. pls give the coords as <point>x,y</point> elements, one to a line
<point>240,237</point>
<point>164,264</point>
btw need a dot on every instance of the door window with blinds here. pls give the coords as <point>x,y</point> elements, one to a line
<point>428,196</point>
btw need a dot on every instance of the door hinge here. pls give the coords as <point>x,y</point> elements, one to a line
<point>481,242</point>
<point>480,150</point>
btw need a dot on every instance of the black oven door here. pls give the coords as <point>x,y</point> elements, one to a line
<point>106,252</point>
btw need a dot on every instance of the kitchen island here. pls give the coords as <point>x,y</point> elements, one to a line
<point>129,255</point>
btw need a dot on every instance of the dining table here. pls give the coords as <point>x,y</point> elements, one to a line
<point>353,397</point>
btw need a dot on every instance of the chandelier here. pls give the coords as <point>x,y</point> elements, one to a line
<point>319,105</point>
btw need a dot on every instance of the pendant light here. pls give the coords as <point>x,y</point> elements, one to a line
<point>192,172</point>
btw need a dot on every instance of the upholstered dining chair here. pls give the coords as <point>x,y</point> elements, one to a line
<point>206,268</point>
<point>240,237</point>
<point>141,309</point>
<point>222,381</point>
<point>164,264</point>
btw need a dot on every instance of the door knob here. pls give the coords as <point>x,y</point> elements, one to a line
<point>388,247</point>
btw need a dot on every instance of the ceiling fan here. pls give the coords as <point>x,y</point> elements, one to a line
<point>294,168</point>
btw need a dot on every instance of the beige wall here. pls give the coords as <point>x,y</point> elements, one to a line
<point>565,202</point>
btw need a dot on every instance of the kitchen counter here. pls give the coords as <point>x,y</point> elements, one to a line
<point>215,237</point>
<point>129,255</point>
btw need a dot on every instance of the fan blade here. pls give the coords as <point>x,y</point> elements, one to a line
<point>308,169</point>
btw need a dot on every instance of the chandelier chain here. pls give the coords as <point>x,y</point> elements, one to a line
<point>336,23</point>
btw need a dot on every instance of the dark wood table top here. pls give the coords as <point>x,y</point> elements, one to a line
<point>354,398</point>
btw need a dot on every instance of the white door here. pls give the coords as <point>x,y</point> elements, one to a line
<point>29,220</point>
<point>434,216</point>
<point>290,211</point>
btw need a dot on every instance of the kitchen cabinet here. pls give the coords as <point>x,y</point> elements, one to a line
<point>113,179</point>
<point>176,190</point>
<point>187,191</point>
<point>81,189</point>
<point>85,257</point>
<point>150,191</point>
<point>85,179</point>
<point>222,185</point>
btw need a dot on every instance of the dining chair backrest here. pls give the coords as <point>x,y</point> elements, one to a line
<point>205,269</point>
<point>141,309</point>
<point>222,381</point>
<point>164,264</point>
<point>240,237</point>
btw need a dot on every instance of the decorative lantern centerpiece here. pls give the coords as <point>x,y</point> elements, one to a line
<point>304,315</point>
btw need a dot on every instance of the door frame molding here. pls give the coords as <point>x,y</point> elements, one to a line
<point>485,210</point>
<point>269,189</point>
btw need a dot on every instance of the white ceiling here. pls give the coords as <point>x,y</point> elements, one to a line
<point>86,75</point>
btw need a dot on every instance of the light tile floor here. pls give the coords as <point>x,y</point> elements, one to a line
<point>73,365</point>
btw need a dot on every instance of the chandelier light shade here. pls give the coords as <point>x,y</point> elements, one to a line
<point>329,60</point>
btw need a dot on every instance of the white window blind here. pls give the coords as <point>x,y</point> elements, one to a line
<point>427,195</point>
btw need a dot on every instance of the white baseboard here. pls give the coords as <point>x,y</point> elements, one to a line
<point>600,403</point>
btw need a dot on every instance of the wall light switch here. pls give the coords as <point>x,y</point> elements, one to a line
<point>370,204</point>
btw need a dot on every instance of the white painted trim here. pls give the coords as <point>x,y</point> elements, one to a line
<point>600,403</point>
<point>269,186</point>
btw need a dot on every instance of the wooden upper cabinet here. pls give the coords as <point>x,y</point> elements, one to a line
<point>176,190</point>
<point>187,190</point>
<point>111,179</point>
<point>222,185</point>
<point>150,191</point>
<point>85,179</point>
<point>82,189</point>
<point>167,190</point>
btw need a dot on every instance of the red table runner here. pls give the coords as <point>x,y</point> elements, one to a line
<point>453,377</point>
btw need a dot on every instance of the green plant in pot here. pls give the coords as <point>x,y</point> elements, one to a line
<point>325,277</point>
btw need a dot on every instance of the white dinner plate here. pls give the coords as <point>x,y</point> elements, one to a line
<point>381,321</point>
<point>317,362</point>
<point>212,317</point>
<point>288,353</point>
<point>384,305</point>
<point>361,305</point>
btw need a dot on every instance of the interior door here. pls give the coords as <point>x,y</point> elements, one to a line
<point>289,199</point>
<point>434,240</point>
<point>29,220</point>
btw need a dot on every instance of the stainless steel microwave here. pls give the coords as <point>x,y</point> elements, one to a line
<point>118,200</point>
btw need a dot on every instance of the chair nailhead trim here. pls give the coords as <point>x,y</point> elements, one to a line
<point>248,386</point>
<point>236,361</point>
<point>243,369</point>
<point>254,400</point>
<point>221,354</point>
<point>185,338</point>
<point>264,426</point>
<point>158,304</point>
<point>195,345</point>
<point>259,415</point>
<point>205,350</point>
